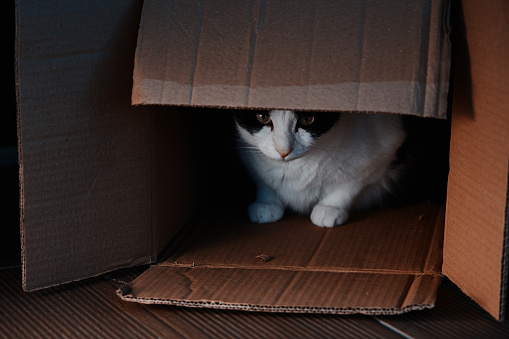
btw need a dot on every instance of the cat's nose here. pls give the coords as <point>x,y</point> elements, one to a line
<point>283,153</point>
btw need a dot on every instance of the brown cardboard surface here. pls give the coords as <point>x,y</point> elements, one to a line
<point>92,168</point>
<point>101,187</point>
<point>380,262</point>
<point>313,55</point>
<point>476,222</point>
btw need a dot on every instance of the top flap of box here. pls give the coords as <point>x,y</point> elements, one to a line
<point>476,248</point>
<point>91,164</point>
<point>344,55</point>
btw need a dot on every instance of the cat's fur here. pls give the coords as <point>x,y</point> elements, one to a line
<point>326,168</point>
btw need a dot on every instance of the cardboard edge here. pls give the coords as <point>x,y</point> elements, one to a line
<point>441,116</point>
<point>134,92</point>
<point>122,293</point>
<point>20,147</point>
<point>504,279</point>
<point>405,305</point>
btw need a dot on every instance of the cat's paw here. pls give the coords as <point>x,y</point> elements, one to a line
<point>327,216</point>
<point>263,213</point>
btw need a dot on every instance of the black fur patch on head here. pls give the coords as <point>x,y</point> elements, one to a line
<point>247,119</point>
<point>322,123</point>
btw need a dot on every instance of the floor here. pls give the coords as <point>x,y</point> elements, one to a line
<point>91,309</point>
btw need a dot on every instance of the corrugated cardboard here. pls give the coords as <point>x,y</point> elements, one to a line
<point>312,55</point>
<point>385,262</point>
<point>107,185</point>
<point>477,231</point>
<point>92,167</point>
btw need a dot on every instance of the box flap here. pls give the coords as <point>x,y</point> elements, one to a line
<point>476,243</point>
<point>88,159</point>
<point>309,55</point>
<point>379,262</point>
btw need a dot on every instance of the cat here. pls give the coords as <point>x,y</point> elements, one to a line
<point>320,163</point>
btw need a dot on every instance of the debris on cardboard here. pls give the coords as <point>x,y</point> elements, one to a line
<point>264,257</point>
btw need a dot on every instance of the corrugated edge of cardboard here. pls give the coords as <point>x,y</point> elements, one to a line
<point>278,309</point>
<point>421,294</point>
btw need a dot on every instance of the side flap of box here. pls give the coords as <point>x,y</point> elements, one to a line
<point>383,262</point>
<point>87,157</point>
<point>476,235</point>
<point>312,55</point>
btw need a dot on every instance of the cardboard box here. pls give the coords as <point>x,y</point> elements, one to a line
<point>105,184</point>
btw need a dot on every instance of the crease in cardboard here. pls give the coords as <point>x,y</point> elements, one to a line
<point>415,288</point>
<point>362,25</point>
<point>433,260</point>
<point>288,287</point>
<point>302,269</point>
<point>423,70</point>
<point>504,280</point>
<point>185,283</point>
<point>311,50</point>
<point>257,19</point>
<point>197,53</point>
<point>318,247</point>
<point>260,97</point>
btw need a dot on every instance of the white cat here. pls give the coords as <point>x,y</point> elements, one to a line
<point>319,163</point>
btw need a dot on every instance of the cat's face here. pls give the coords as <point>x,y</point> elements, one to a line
<point>283,135</point>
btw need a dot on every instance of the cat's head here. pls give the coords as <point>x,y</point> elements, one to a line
<point>280,134</point>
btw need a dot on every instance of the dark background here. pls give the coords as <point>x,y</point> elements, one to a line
<point>9,182</point>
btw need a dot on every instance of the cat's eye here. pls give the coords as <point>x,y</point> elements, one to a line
<point>306,120</point>
<point>263,118</point>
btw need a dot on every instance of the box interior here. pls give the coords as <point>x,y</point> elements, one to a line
<point>250,56</point>
<point>107,185</point>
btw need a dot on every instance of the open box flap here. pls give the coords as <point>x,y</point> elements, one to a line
<point>308,55</point>
<point>383,262</point>
<point>476,235</point>
<point>91,165</point>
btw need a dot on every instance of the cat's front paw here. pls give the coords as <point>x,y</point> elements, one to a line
<point>263,213</point>
<point>327,216</point>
